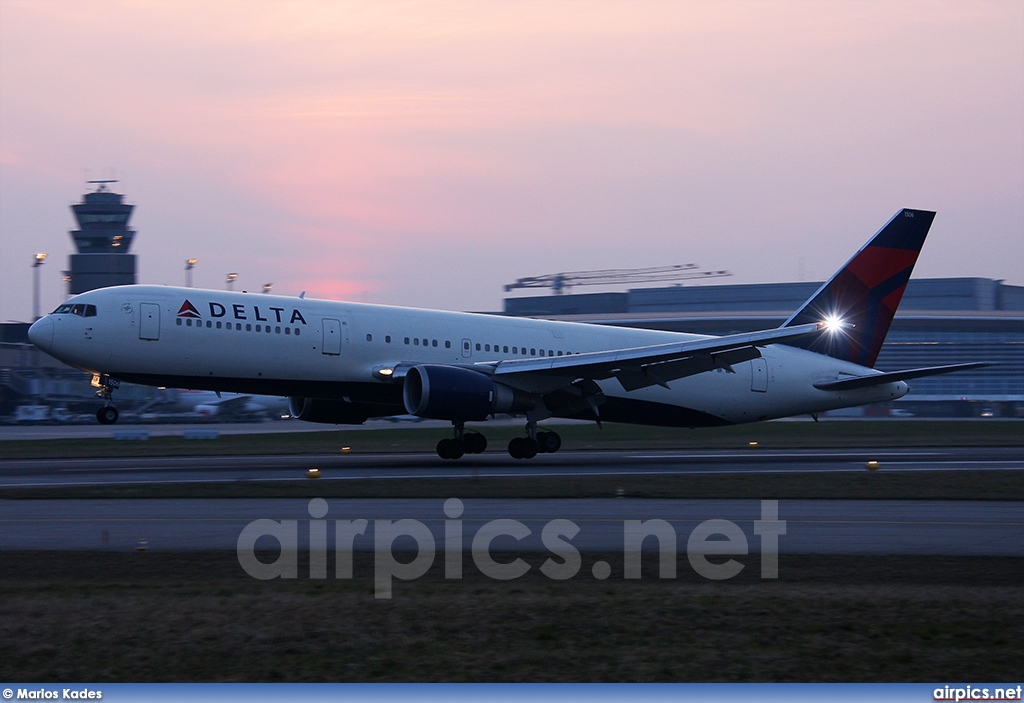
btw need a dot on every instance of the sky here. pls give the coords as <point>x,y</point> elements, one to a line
<point>427,153</point>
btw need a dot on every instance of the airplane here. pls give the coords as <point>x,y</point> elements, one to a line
<point>343,362</point>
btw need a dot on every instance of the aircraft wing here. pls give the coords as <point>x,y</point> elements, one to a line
<point>640,367</point>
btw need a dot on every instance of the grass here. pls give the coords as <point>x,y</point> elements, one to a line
<point>194,617</point>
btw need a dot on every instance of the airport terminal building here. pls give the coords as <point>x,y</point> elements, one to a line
<point>940,321</point>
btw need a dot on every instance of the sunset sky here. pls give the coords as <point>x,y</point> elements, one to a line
<point>426,153</point>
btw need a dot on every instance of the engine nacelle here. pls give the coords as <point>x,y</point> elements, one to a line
<point>458,394</point>
<point>334,412</point>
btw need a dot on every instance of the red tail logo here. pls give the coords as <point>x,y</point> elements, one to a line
<point>188,310</point>
<point>866,292</point>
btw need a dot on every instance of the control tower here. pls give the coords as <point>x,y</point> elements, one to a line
<point>102,239</point>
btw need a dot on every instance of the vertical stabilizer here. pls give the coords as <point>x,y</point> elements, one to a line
<point>866,291</point>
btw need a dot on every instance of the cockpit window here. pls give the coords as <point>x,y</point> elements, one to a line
<point>76,309</point>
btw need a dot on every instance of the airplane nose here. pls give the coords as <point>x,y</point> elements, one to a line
<point>41,333</point>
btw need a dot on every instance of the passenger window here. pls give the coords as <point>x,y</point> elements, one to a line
<point>447,344</point>
<point>433,343</point>
<point>487,347</point>
<point>387,339</point>
<point>369,338</point>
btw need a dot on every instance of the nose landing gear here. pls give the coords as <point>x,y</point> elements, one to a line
<point>107,415</point>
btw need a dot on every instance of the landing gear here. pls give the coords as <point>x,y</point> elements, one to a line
<point>534,443</point>
<point>548,442</point>
<point>523,448</point>
<point>107,415</point>
<point>462,443</point>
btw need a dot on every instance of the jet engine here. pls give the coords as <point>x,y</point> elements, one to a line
<point>459,394</point>
<point>336,412</point>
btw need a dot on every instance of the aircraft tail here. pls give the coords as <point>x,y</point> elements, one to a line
<point>866,291</point>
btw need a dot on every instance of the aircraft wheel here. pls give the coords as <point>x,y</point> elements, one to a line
<point>475,443</point>
<point>515,448</point>
<point>107,415</point>
<point>456,449</point>
<point>442,448</point>
<point>450,449</point>
<point>528,448</point>
<point>548,442</point>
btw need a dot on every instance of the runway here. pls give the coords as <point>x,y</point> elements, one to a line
<point>952,528</point>
<point>494,464</point>
<point>918,527</point>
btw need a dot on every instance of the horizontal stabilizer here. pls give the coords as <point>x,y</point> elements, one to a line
<point>878,379</point>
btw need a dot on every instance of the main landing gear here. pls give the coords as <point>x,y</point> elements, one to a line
<point>107,415</point>
<point>462,443</point>
<point>534,443</point>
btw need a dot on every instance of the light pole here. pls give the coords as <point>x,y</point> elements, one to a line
<point>267,287</point>
<point>189,265</point>
<point>39,261</point>
<point>231,280</point>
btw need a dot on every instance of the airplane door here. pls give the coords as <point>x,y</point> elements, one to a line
<point>332,337</point>
<point>467,348</point>
<point>759,375</point>
<point>149,326</point>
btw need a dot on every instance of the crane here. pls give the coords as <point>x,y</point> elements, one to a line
<point>558,282</point>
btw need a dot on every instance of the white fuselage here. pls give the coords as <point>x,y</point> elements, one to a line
<point>253,343</point>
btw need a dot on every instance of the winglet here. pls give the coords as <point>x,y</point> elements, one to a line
<point>866,291</point>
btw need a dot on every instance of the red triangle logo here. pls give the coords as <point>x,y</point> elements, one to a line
<point>188,310</point>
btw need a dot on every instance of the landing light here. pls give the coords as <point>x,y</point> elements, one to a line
<point>832,323</point>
